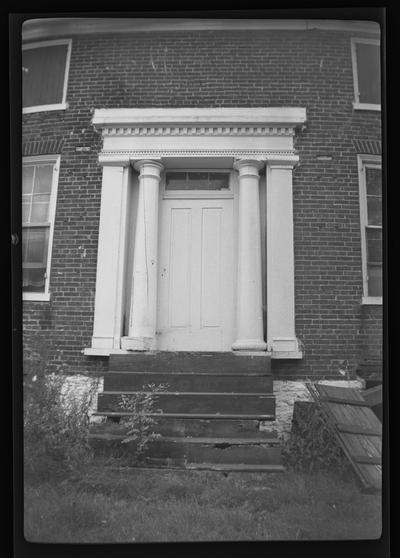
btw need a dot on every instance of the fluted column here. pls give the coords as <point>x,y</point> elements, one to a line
<point>143,308</point>
<point>249,314</point>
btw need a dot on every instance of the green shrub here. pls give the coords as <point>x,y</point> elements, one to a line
<point>55,426</point>
<point>140,424</point>
<point>312,446</point>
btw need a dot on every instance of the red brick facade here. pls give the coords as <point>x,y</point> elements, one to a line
<point>311,69</point>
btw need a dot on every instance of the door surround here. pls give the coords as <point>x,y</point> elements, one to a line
<point>251,138</point>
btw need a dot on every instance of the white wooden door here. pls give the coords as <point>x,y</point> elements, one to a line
<point>196,275</point>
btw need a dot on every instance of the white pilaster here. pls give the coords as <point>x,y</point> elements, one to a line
<point>249,314</point>
<point>143,308</point>
<point>108,307</point>
<point>281,337</point>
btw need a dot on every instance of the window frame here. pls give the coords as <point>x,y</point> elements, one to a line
<point>54,106</point>
<point>366,161</point>
<point>197,194</point>
<point>55,161</point>
<point>356,103</point>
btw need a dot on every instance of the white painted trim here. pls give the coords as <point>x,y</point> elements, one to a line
<point>356,104</point>
<point>189,117</point>
<point>56,106</point>
<point>41,28</point>
<point>44,108</point>
<point>364,161</point>
<point>372,300</point>
<point>366,106</point>
<point>39,297</point>
<point>55,161</point>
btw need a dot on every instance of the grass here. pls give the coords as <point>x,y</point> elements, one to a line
<point>107,504</point>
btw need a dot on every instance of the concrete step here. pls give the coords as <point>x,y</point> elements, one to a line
<point>251,382</point>
<point>261,406</point>
<point>182,361</point>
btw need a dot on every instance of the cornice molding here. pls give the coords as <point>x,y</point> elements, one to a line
<point>124,157</point>
<point>259,121</point>
<point>200,131</point>
<point>34,29</point>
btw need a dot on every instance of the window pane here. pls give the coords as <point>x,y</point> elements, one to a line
<point>27,179</point>
<point>40,211</point>
<point>25,212</point>
<point>197,180</point>
<point>34,246</point>
<point>374,281</point>
<point>374,245</point>
<point>368,72</point>
<point>34,279</point>
<point>175,181</point>
<point>43,71</point>
<point>219,180</point>
<point>374,181</point>
<point>43,179</point>
<point>374,206</point>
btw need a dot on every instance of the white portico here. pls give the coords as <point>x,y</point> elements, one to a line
<point>196,231</point>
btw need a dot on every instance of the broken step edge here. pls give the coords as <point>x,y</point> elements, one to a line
<point>207,416</point>
<point>207,441</point>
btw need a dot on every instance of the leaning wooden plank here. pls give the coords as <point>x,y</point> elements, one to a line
<point>358,429</point>
<point>363,449</point>
<point>373,396</point>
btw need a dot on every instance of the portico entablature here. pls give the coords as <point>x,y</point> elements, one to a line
<point>245,138</point>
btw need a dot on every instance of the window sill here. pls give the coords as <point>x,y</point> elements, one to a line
<point>43,108</point>
<point>371,300</point>
<point>366,106</point>
<point>39,297</point>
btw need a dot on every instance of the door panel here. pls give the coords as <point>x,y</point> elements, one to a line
<point>196,275</point>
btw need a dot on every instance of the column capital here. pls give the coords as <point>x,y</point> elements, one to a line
<point>148,167</point>
<point>249,167</point>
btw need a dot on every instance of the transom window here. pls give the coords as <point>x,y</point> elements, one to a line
<point>39,185</point>
<point>366,73</point>
<point>45,75</point>
<point>371,222</point>
<point>197,183</point>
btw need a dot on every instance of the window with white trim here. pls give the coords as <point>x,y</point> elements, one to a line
<point>45,67</point>
<point>370,177</point>
<point>366,73</point>
<point>39,194</point>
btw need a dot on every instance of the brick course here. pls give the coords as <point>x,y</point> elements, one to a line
<point>310,69</point>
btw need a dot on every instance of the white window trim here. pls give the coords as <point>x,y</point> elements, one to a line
<point>56,106</point>
<point>54,160</point>
<point>372,161</point>
<point>197,194</point>
<point>356,104</point>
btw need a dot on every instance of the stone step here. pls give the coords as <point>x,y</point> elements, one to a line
<point>261,406</point>
<point>252,382</point>
<point>182,361</point>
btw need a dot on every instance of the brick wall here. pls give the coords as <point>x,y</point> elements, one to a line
<point>310,69</point>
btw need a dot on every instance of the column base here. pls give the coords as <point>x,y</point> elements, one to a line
<point>249,345</point>
<point>137,343</point>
